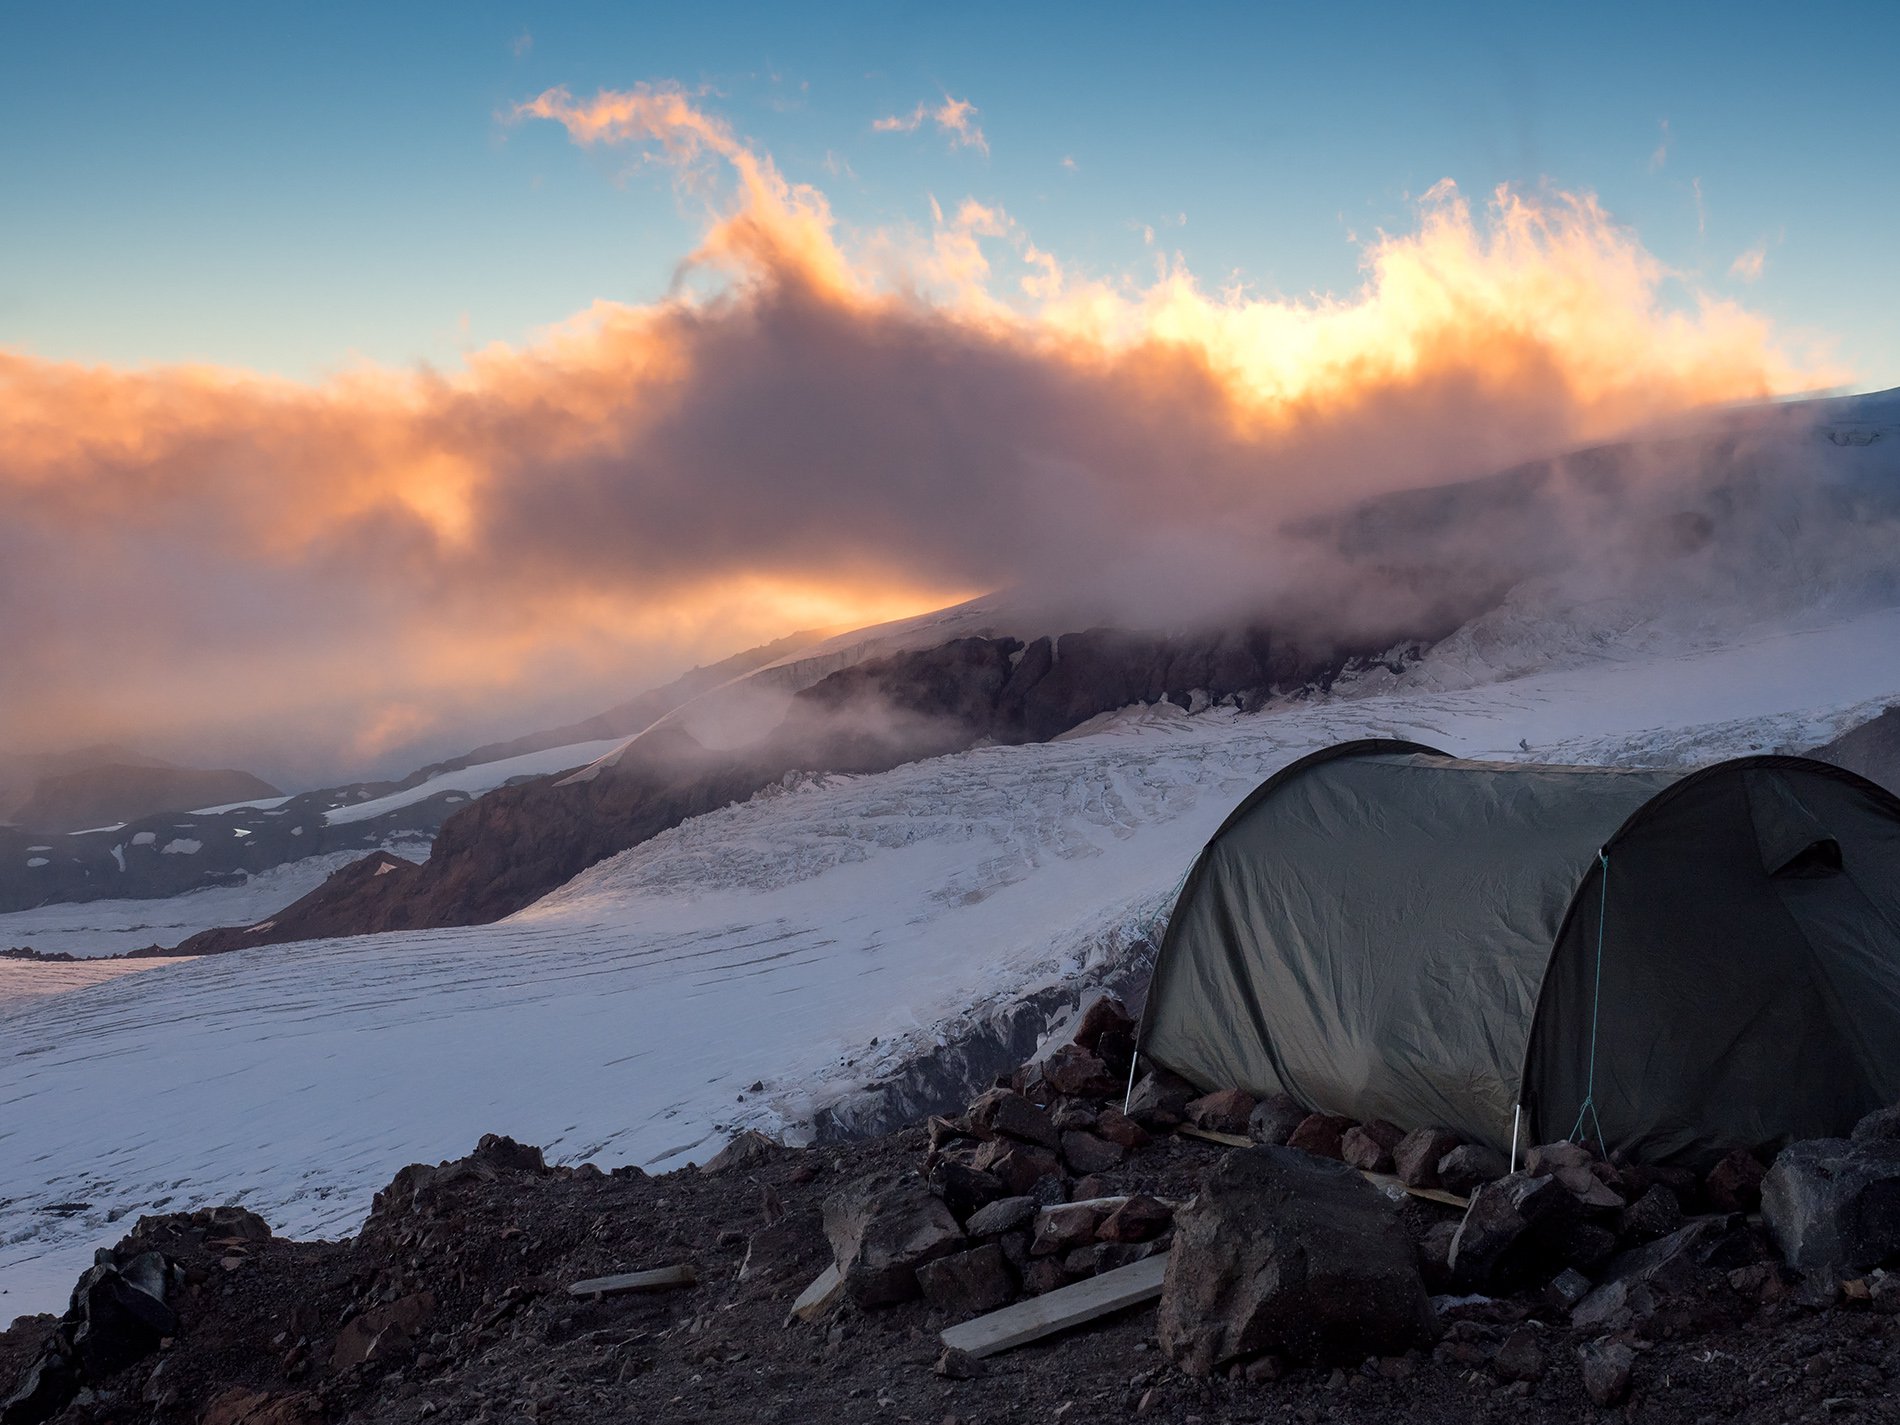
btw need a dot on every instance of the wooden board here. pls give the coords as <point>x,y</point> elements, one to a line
<point>1450,1199</point>
<point>659,1279</point>
<point>817,1298</point>
<point>1039,1316</point>
<point>1232,1140</point>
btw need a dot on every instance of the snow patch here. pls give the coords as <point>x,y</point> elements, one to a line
<point>181,846</point>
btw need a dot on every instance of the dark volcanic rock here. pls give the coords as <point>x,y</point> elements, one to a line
<point>1734,1184</point>
<point>1160,1099</point>
<point>1076,1073</point>
<point>968,1283</point>
<point>880,1234</point>
<point>1284,1253</point>
<point>1510,1229</point>
<point>964,1189</point>
<point>1006,1112</point>
<point>1464,1170</point>
<point>1831,1202</point>
<point>1882,1123</point>
<point>1274,1118</point>
<point>1606,1371</point>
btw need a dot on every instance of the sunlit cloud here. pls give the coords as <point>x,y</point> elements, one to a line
<point>842,427</point>
<point>954,117</point>
<point>1748,265</point>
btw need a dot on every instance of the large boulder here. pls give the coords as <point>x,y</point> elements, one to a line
<point>1074,1072</point>
<point>1286,1253</point>
<point>968,1283</point>
<point>1513,1227</point>
<point>1832,1202</point>
<point>880,1233</point>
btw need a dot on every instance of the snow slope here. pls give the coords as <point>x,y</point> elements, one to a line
<point>96,928</point>
<point>812,939</point>
<point>482,777</point>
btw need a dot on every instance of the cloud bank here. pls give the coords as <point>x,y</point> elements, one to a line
<point>822,428</point>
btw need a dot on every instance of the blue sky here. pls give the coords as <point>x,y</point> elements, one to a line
<point>287,189</point>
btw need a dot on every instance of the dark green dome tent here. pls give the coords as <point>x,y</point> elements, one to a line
<point>1386,931</point>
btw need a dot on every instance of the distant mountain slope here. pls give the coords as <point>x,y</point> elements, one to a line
<point>1872,749</point>
<point>115,791</point>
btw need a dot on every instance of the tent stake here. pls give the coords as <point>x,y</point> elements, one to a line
<point>1517,1117</point>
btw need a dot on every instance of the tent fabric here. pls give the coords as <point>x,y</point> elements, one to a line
<point>1385,931</point>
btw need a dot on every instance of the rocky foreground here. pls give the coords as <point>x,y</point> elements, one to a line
<point>1303,1281</point>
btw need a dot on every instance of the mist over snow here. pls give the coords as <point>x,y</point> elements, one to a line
<point>818,427</point>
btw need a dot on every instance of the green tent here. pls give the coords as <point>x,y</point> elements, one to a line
<point>1672,963</point>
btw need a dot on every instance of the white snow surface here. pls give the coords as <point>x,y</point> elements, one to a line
<point>813,938</point>
<point>479,778</point>
<point>99,928</point>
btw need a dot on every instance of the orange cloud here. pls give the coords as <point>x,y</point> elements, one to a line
<point>955,117</point>
<point>850,428</point>
<point>1748,266</point>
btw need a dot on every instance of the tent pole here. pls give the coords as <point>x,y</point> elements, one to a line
<point>1129,1096</point>
<point>1517,1118</point>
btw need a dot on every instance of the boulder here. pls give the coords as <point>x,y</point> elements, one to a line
<point>1832,1202</point>
<point>1086,1153</point>
<point>1606,1371</point>
<point>1415,1158</point>
<point>1073,1115</point>
<point>1004,1215</point>
<point>42,1391</point>
<point>968,1283</point>
<point>750,1149</point>
<point>1005,1113</point>
<point>1160,1099</point>
<point>1223,1111</point>
<point>1880,1125</point>
<point>1632,1282</point>
<point>1655,1214</point>
<point>1059,1229</point>
<point>1274,1118</point>
<point>1121,1130</point>
<point>782,1252</point>
<point>1590,1190</point>
<point>1074,1072</point>
<point>1018,1166</point>
<point>963,1188</point>
<point>1046,1274</point>
<point>505,1155</point>
<point>1566,1289</point>
<point>1139,1219</point>
<point>1369,1146</point>
<point>1106,1015</point>
<point>1319,1134</point>
<point>1734,1184</point>
<point>117,1322</point>
<point>880,1233</point>
<point>1510,1230</point>
<point>1465,1168</point>
<point>1285,1253</point>
<point>1520,1357</point>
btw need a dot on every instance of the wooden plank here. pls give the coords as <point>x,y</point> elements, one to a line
<point>1450,1199</point>
<point>1232,1140</point>
<point>1039,1316</point>
<point>659,1279</point>
<point>817,1298</point>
